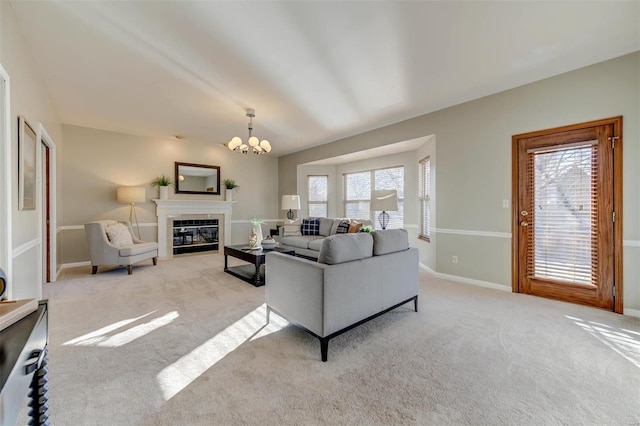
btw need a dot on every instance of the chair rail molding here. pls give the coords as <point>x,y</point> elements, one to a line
<point>168,210</point>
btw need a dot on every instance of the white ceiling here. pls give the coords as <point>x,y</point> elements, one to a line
<point>313,71</point>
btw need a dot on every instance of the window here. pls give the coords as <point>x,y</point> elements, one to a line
<point>357,194</point>
<point>424,198</point>
<point>318,202</point>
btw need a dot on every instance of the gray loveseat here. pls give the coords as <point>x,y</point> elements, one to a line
<point>357,277</point>
<point>309,245</point>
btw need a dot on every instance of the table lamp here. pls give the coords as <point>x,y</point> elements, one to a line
<point>291,203</point>
<point>385,200</point>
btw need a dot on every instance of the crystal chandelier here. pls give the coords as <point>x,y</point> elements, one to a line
<point>257,146</point>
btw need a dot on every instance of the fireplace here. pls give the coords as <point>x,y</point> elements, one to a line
<point>212,231</point>
<point>196,235</point>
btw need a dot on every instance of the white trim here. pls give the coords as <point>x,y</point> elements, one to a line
<point>631,312</point>
<point>265,220</point>
<point>81,227</point>
<point>474,233</point>
<point>625,243</point>
<point>465,280</point>
<point>25,247</point>
<point>46,139</point>
<point>6,232</point>
<point>76,264</point>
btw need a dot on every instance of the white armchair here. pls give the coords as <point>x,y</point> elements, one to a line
<point>114,243</point>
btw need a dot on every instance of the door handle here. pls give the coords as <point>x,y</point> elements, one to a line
<point>524,223</point>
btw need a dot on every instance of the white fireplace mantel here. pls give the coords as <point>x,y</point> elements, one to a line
<point>174,209</point>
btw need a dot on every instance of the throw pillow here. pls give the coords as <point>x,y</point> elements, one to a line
<point>119,235</point>
<point>325,226</point>
<point>343,226</point>
<point>390,241</point>
<point>292,229</point>
<point>354,226</point>
<point>310,227</point>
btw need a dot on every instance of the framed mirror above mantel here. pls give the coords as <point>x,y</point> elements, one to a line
<point>197,179</point>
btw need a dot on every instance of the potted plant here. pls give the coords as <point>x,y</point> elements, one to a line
<point>162,182</point>
<point>230,186</point>
<point>366,228</point>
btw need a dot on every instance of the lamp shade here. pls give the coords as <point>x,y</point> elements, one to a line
<point>290,202</point>
<point>130,194</point>
<point>384,200</point>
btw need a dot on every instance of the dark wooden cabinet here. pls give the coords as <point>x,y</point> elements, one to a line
<point>23,367</point>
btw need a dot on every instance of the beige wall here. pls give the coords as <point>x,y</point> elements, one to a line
<point>29,98</point>
<point>474,162</point>
<point>97,162</point>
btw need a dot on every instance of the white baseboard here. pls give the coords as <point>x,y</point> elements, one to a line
<point>76,264</point>
<point>631,312</point>
<point>626,311</point>
<point>465,280</point>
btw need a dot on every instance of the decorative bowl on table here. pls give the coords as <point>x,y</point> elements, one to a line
<point>268,243</point>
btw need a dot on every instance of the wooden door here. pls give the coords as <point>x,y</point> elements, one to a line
<point>46,192</point>
<point>567,216</point>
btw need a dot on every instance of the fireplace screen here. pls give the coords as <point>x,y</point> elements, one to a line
<point>191,236</point>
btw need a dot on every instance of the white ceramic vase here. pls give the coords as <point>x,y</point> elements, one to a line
<point>228,195</point>
<point>164,192</point>
<point>258,230</point>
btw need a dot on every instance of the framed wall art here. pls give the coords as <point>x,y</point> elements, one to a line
<point>26,165</point>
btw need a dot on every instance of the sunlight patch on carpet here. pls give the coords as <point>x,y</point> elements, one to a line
<point>181,373</point>
<point>621,341</point>
<point>101,338</point>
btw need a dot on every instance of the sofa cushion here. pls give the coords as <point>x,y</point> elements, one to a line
<point>118,235</point>
<point>299,241</point>
<point>316,244</point>
<point>310,227</point>
<point>292,228</point>
<point>140,248</point>
<point>325,226</point>
<point>342,248</point>
<point>390,241</point>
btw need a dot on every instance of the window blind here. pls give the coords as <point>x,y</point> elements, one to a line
<point>563,215</point>
<point>357,194</point>
<point>424,197</point>
<point>317,190</point>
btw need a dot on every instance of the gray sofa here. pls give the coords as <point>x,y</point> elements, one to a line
<point>357,277</point>
<point>309,245</point>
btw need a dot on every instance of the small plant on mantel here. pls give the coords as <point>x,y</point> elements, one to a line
<point>230,184</point>
<point>162,181</point>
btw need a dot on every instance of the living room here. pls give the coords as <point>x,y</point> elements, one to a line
<point>469,142</point>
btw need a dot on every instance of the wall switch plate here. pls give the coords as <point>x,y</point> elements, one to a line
<point>505,204</point>
<point>455,259</point>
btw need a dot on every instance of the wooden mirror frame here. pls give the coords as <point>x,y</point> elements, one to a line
<point>214,191</point>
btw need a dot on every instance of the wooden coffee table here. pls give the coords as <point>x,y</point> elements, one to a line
<point>249,273</point>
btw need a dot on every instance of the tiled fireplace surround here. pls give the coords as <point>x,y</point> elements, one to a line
<point>170,210</point>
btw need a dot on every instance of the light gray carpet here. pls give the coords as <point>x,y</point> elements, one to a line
<point>183,343</point>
